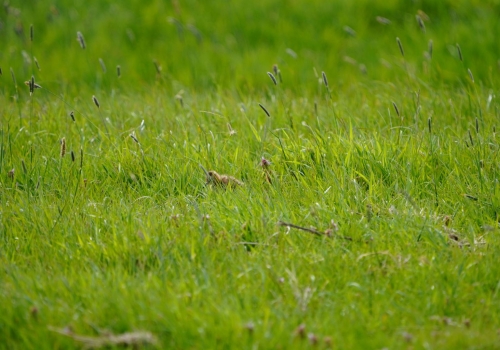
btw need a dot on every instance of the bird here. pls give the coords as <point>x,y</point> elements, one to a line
<point>222,181</point>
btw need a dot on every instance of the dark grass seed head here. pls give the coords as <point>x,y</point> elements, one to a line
<point>36,63</point>
<point>118,71</point>
<point>460,53</point>
<point>272,78</point>
<point>396,108</point>
<point>420,22</point>
<point>96,102</point>
<point>325,79</point>
<point>32,84</point>
<point>132,135</point>
<point>265,110</point>
<point>430,48</point>
<point>400,45</point>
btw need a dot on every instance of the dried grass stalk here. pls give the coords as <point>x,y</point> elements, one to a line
<point>129,339</point>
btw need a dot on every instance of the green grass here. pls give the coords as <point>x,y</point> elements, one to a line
<point>397,157</point>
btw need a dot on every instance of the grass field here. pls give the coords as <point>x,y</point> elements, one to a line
<point>364,133</point>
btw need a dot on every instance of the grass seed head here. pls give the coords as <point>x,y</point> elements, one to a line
<point>396,108</point>
<point>13,76</point>
<point>264,163</point>
<point>328,341</point>
<point>265,110</point>
<point>32,85</point>
<point>231,130</point>
<point>81,158</point>
<point>400,45</point>
<point>132,135</point>
<point>36,63</point>
<point>272,78</point>
<point>313,339</point>
<point>460,53</point>
<point>118,71</point>
<point>96,102</point>
<point>103,66</point>
<point>430,48</point>
<point>470,75</point>
<point>72,115</point>
<point>31,33</point>
<point>300,331</point>
<point>420,22</point>
<point>81,40</point>
<point>383,20</point>
<point>325,79</point>
<point>470,138</point>
<point>157,66</point>
<point>63,147</point>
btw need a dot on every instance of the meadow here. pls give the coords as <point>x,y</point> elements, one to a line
<point>364,133</point>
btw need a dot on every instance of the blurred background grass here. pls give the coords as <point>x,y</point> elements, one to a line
<point>212,45</point>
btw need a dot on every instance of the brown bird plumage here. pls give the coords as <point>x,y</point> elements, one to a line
<point>224,181</point>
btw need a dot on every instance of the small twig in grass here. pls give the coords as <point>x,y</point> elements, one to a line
<point>130,339</point>
<point>327,233</point>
